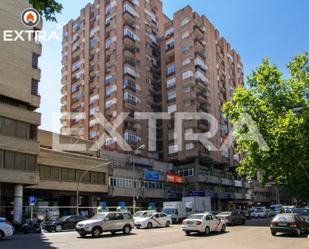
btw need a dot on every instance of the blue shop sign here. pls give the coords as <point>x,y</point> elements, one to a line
<point>152,176</point>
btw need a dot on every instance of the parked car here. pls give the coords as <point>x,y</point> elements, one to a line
<point>203,223</point>
<point>304,212</point>
<point>259,212</point>
<point>289,223</point>
<point>150,220</point>
<point>141,213</point>
<point>106,222</point>
<point>63,223</point>
<point>6,228</point>
<point>236,217</point>
<point>276,208</point>
<point>288,209</point>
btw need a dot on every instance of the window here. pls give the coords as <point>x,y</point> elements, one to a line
<point>111,102</point>
<point>172,149</point>
<point>110,90</point>
<point>171,95</point>
<point>171,69</point>
<point>127,32</point>
<point>130,137</point>
<point>188,103</point>
<point>186,61</point>
<point>170,45</point>
<point>187,74</point>
<point>185,21</point>
<point>171,82</point>
<point>187,89</point>
<point>189,146</point>
<point>185,49</point>
<point>11,127</point>
<point>171,108</point>
<point>34,87</point>
<point>35,58</point>
<point>185,34</point>
<point>22,129</point>
<point>74,88</point>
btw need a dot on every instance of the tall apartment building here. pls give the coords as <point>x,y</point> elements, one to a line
<point>111,64</point>
<point>200,71</point>
<point>19,99</point>
<point>127,56</point>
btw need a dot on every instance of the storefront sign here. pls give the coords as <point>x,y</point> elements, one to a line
<point>152,176</point>
<point>32,200</point>
<point>174,178</point>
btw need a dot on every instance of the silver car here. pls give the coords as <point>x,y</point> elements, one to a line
<point>106,222</point>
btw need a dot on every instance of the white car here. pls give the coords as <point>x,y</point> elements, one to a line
<point>203,223</point>
<point>6,230</point>
<point>141,213</point>
<point>150,220</point>
<point>260,212</point>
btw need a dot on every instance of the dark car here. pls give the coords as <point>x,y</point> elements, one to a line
<point>304,212</point>
<point>289,223</point>
<point>233,218</point>
<point>63,223</point>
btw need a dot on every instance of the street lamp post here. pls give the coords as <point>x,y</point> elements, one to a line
<point>80,180</point>
<point>133,166</point>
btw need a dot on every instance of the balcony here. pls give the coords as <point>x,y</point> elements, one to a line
<point>202,97</point>
<point>198,32</point>
<point>128,41</point>
<point>128,17</point>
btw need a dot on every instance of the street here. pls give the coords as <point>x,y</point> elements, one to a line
<point>254,235</point>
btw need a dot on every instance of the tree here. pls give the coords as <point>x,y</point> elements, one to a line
<point>47,8</point>
<point>279,107</point>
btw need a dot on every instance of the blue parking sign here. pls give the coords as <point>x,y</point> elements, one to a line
<point>31,200</point>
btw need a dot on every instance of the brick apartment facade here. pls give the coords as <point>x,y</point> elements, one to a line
<point>127,56</point>
<point>111,64</point>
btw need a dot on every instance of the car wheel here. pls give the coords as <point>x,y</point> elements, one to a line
<point>58,228</point>
<point>96,232</point>
<point>167,224</point>
<point>223,229</point>
<point>207,231</point>
<point>188,233</point>
<point>273,233</point>
<point>1,234</point>
<point>126,229</point>
<point>149,225</point>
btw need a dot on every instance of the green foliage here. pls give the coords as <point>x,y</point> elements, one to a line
<point>280,109</point>
<point>47,8</point>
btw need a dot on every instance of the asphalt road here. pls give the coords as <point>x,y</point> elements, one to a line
<point>255,235</point>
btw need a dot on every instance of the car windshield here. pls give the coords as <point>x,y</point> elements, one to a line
<point>196,216</point>
<point>138,214</point>
<point>259,210</point>
<point>225,213</point>
<point>284,218</point>
<point>99,216</point>
<point>63,218</point>
<point>147,215</point>
<point>168,210</point>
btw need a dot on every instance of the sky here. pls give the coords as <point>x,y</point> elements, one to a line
<point>277,29</point>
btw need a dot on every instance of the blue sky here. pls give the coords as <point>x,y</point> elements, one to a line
<point>277,29</point>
